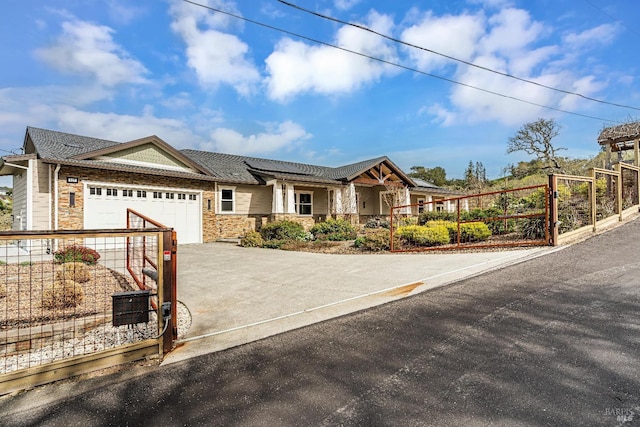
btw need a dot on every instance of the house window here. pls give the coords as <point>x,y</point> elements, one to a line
<point>127,193</point>
<point>72,199</point>
<point>227,200</point>
<point>304,203</point>
<point>157,195</point>
<point>421,205</point>
<point>112,191</point>
<point>182,196</point>
<point>95,191</point>
<point>141,193</point>
<point>169,196</point>
<point>192,197</point>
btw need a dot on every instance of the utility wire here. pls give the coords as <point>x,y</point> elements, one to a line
<point>471,64</point>
<point>384,61</point>
<point>616,20</point>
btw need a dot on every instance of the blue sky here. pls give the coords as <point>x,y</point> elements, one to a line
<point>123,70</point>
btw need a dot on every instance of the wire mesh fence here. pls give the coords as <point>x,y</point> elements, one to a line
<point>629,176</point>
<point>57,293</point>
<point>574,202</point>
<point>513,217</point>
<point>606,193</point>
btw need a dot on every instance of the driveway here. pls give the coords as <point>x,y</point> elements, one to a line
<point>238,295</point>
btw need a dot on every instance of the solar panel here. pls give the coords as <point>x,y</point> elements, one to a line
<point>273,166</point>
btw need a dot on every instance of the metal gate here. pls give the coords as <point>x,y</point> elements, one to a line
<point>70,301</point>
<point>506,218</point>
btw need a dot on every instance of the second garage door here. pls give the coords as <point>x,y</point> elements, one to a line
<point>105,206</point>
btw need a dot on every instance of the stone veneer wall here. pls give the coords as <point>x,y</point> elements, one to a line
<point>234,226</point>
<point>306,221</point>
<point>72,218</point>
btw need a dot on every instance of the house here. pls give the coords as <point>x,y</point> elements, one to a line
<point>66,181</point>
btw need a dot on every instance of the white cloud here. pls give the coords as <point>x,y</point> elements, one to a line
<point>455,36</point>
<point>346,4</point>
<point>276,137</point>
<point>123,127</point>
<point>511,30</point>
<point>296,67</point>
<point>215,56</point>
<point>600,35</point>
<point>88,49</point>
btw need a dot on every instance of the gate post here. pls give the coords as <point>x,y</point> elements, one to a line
<point>553,210</point>
<point>169,288</point>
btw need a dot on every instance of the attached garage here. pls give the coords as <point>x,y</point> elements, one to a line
<point>105,206</point>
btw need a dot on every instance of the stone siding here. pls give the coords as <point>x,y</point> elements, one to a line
<point>72,217</point>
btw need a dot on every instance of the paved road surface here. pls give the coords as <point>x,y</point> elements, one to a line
<point>550,342</point>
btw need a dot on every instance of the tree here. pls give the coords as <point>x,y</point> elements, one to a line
<point>436,176</point>
<point>475,176</point>
<point>535,139</point>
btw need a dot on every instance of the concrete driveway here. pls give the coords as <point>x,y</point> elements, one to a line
<point>237,295</point>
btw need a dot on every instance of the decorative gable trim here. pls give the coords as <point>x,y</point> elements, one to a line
<point>106,154</point>
<point>381,173</point>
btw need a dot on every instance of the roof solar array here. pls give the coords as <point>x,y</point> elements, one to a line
<point>273,166</point>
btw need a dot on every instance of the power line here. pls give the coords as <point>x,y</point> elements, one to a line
<point>462,61</point>
<point>384,61</point>
<point>616,20</point>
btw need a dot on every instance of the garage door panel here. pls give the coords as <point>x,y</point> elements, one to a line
<point>182,213</point>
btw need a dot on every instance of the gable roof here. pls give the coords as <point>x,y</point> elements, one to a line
<point>76,150</point>
<point>69,149</point>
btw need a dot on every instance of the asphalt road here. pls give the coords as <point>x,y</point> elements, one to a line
<point>550,342</point>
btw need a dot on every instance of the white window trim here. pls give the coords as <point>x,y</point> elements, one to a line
<point>297,202</point>
<point>233,200</point>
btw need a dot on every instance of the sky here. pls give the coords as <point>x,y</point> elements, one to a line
<point>420,82</point>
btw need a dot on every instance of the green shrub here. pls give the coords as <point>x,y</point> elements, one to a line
<point>374,240</point>
<point>472,232</point>
<point>283,230</point>
<point>427,216</point>
<point>274,244</point>
<point>424,235</point>
<point>252,239</point>
<point>377,223</point>
<point>500,226</point>
<point>334,230</point>
<point>532,228</point>
<point>76,253</point>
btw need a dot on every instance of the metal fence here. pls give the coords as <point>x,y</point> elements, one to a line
<point>69,303</point>
<point>584,204</point>
<point>512,217</point>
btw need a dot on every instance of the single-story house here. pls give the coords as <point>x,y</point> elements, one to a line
<point>66,181</point>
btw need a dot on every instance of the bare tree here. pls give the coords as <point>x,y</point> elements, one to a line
<point>535,139</point>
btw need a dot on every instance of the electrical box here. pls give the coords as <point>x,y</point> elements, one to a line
<point>130,308</point>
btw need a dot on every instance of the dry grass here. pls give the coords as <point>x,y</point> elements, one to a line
<point>27,285</point>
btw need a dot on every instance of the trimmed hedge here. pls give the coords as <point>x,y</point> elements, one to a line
<point>252,239</point>
<point>425,235</point>
<point>283,230</point>
<point>334,230</point>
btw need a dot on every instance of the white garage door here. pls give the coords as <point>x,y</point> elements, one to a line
<point>106,206</point>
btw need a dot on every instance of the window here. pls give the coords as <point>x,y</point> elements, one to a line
<point>182,196</point>
<point>304,203</point>
<point>192,197</point>
<point>157,195</point>
<point>227,200</point>
<point>169,196</point>
<point>127,193</point>
<point>142,193</point>
<point>95,191</point>
<point>421,205</point>
<point>112,191</point>
<point>72,199</point>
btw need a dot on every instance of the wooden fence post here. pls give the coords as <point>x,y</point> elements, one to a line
<point>553,210</point>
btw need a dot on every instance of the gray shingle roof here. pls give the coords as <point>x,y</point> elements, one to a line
<point>63,147</point>
<point>54,145</point>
